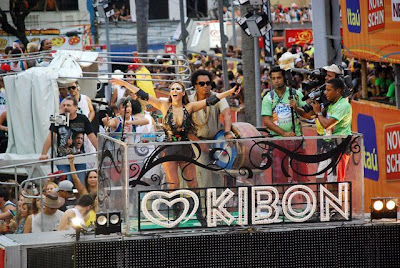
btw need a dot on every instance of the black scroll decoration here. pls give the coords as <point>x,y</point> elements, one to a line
<point>114,156</point>
<point>158,156</point>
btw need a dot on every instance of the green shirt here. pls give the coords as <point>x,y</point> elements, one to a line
<point>391,92</point>
<point>342,112</point>
<point>279,110</point>
<point>383,85</point>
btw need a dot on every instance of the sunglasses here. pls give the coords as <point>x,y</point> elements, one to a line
<point>72,88</point>
<point>202,84</point>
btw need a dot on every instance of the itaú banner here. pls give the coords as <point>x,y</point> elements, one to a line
<point>242,206</point>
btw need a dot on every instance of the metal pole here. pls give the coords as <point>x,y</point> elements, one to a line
<point>257,81</point>
<point>109,69</point>
<point>224,40</point>
<point>233,25</point>
<point>183,27</point>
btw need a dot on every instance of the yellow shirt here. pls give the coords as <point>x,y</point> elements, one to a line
<point>90,218</point>
<point>146,86</point>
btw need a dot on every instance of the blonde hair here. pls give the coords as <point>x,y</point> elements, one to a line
<point>32,47</point>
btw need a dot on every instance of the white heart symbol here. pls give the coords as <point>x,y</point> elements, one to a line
<point>162,220</point>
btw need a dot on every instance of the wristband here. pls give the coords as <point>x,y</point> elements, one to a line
<point>319,113</point>
<point>12,212</point>
<point>143,95</point>
<point>212,100</point>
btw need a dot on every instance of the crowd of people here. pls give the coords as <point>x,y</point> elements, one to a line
<point>133,106</point>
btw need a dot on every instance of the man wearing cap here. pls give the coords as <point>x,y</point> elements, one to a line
<point>47,220</point>
<point>65,190</point>
<point>332,71</point>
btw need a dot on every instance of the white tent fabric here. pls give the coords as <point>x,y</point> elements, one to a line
<point>32,97</point>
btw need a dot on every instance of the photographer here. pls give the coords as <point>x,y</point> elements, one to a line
<point>337,120</point>
<point>277,117</point>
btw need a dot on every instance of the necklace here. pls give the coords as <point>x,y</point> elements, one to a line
<point>197,123</point>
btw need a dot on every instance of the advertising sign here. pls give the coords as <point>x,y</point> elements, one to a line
<point>392,151</point>
<point>371,29</point>
<point>376,15</point>
<point>353,16</point>
<point>366,126</point>
<point>58,37</point>
<point>170,49</point>
<point>298,36</point>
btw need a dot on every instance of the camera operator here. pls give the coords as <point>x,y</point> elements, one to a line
<point>277,116</point>
<point>332,71</point>
<point>337,119</point>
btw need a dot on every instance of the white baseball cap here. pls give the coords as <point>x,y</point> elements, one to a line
<point>333,68</point>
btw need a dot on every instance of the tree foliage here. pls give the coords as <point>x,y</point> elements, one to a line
<point>19,10</point>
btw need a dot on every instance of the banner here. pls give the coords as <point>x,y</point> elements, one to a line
<point>380,123</point>
<point>215,34</point>
<point>298,37</point>
<point>392,151</point>
<point>57,36</point>
<point>371,29</point>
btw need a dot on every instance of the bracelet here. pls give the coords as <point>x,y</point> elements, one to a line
<point>143,95</point>
<point>319,113</point>
<point>212,100</point>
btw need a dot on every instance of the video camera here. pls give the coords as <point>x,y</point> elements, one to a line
<point>317,86</point>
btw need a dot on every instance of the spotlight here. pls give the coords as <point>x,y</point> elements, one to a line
<point>108,223</point>
<point>378,205</point>
<point>384,208</point>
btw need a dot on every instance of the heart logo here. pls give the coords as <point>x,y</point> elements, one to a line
<point>162,199</point>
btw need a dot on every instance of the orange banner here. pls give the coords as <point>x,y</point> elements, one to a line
<point>380,125</point>
<point>371,29</point>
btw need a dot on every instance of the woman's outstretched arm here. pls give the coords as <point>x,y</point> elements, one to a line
<point>143,95</point>
<point>213,99</point>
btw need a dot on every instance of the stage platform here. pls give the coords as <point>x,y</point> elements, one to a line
<point>341,244</point>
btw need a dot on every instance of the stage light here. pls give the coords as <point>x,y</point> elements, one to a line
<point>378,205</point>
<point>384,208</point>
<point>102,220</point>
<point>114,219</point>
<point>254,24</point>
<point>108,223</point>
<point>390,205</point>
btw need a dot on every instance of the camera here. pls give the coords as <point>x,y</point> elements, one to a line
<point>59,120</point>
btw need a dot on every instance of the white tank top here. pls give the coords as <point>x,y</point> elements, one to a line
<point>79,216</point>
<point>83,106</point>
<point>51,222</point>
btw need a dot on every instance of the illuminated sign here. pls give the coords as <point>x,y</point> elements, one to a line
<point>353,16</point>
<point>366,126</point>
<point>376,15</point>
<point>392,151</point>
<point>253,205</point>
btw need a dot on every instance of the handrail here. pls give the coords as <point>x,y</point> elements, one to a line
<point>51,176</point>
<point>44,161</point>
